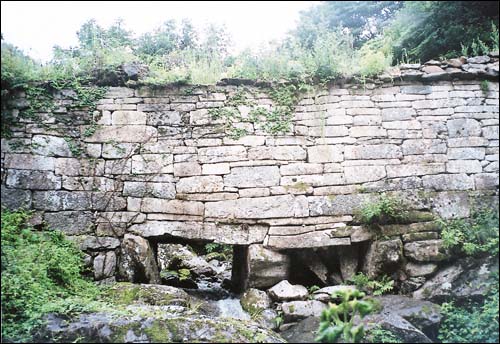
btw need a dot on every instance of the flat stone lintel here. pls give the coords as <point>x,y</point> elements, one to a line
<point>306,240</point>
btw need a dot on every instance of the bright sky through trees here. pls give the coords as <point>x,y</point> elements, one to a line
<point>36,27</point>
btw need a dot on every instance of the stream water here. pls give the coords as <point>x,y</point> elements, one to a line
<point>231,308</point>
<point>222,302</point>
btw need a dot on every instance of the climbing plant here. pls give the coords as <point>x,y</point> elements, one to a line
<point>274,121</point>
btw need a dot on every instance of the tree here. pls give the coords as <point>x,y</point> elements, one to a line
<point>188,37</point>
<point>216,41</point>
<point>162,41</point>
<point>363,19</point>
<point>424,30</point>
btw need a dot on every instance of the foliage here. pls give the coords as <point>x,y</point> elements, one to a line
<point>333,39</point>
<point>429,29</point>
<point>375,287</point>
<point>378,335</point>
<point>485,86</point>
<point>278,321</point>
<point>363,19</point>
<point>41,273</point>
<point>332,55</point>
<point>386,209</point>
<point>311,291</point>
<point>219,251</point>
<point>337,321</point>
<point>477,235</point>
<point>473,324</point>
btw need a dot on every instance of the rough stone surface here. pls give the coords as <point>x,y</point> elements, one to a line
<point>303,332</point>
<point>266,267</point>
<point>104,265</point>
<point>383,257</point>
<point>297,310</point>
<point>137,261</point>
<point>324,154</point>
<point>325,294</point>
<point>426,251</point>
<point>71,222</point>
<point>284,291</point>
<point>461,281</point>
<point>259,176</point>
<point>412,321</point>
<point>261,207</point>
<point>416,270</point>
<point>176,256</point>
<point>255,299</point>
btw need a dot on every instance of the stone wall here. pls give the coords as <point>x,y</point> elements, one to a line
<point>156,164</point>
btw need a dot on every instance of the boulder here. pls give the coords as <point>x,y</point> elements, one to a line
<point>297,310</point>
<point>348,260</point>
<point>152,326</point>
<point>313,265</point>
<point>176,256</point>
<point>255,299</point>
<point>266,267</point>
<point>284,291</point>
<point>124,293</point>
<point>462,281</point>
<point>426,250</point>
<point>412,321</point>
<point>148,313</point>
<point>267,319</point>
<point>137,261</point>
<point>104,265</point>
<point>383,257</point>
<point>302,332</point>
<point>411,284</point>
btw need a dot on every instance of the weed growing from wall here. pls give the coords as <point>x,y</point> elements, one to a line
<point>386,210</point>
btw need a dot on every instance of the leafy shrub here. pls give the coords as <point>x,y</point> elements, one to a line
<point>41,273</point>
<point>477,235</point>
<point>387,209</point>
<point>375,287</point>
<point>337,321</point>
<point>219,251</point>
<point>378,335</point>
<point>473,324</point>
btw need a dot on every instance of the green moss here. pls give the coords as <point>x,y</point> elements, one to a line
<point>418,216</point>
<point>426,310</point>
<point>159,333</point>
<point>299,186</point>
<point>331,198</point>
<point>361,189</point>
<point>120,332</point>
<point>123,293</point>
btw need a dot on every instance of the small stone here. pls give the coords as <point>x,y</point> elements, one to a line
<point>297,310</point>
<point>255,299</point>
<point>284,291</point>
<point>479,59</point>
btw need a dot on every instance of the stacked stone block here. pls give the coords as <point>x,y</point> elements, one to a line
<point>154,163</point>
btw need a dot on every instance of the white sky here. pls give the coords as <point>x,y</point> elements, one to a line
<point>36,27</point>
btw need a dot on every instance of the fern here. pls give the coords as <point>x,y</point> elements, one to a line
<point>376,287</point>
